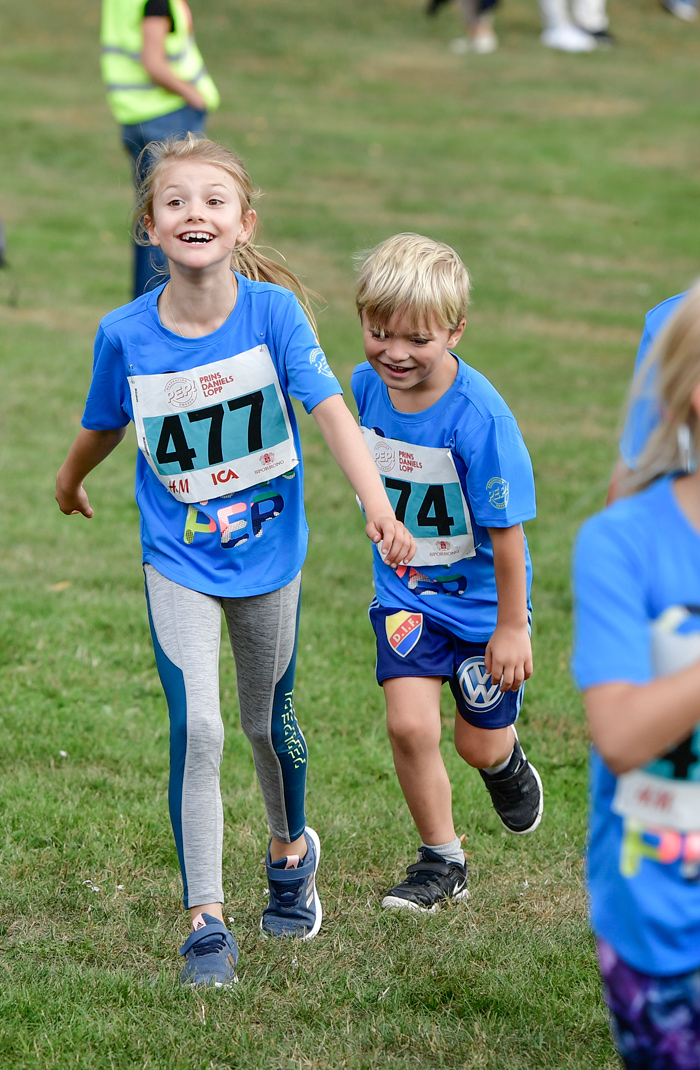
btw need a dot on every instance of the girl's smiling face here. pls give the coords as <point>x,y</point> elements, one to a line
<point>198,218</point>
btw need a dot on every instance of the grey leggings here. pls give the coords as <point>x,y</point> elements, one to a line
<point>186,632</point>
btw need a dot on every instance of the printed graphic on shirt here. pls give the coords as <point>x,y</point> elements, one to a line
<point>237,522</point>
<point>421,584</point>
<point>403,630</point>
<point>660,803</point>
<point>426,495</point>
<point>220,427</point>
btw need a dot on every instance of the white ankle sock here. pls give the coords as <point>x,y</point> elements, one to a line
<point>451,852</point>
<point>491,770</point>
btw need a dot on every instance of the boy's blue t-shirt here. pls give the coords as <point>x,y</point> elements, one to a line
<point>637,616</point>
<point>201,402</point>
<point>644,413</point>
<point>451,471</point>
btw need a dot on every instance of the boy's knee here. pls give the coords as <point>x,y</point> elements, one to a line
<point>481,748</point>
<point>410,733</point>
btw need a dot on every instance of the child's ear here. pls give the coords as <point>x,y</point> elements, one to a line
<point>150,228</point>
<point>247,227</point>
<point>457,333</point>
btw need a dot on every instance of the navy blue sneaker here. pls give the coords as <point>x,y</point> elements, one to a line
<point>294,908</point>
<point>211,954</point>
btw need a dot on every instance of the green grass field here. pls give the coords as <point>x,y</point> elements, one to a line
<point>569,186</point>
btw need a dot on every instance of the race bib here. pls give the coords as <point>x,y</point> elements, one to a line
<point>665,793</point>
<point>426,495</point>
<point>216,429</point>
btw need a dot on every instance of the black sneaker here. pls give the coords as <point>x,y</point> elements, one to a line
<point>430,882</point>
<point>516,793</point>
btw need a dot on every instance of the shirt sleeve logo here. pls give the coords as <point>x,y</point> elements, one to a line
<point>499,492</point>
<point>318,358</point>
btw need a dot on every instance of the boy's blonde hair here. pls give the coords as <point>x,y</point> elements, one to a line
<point>246,259</point>
<point>672,372</point>
<point>418,276</point>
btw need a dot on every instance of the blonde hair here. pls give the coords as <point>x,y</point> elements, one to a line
<point>418,276</point>
<point>672,372</point>
<point>247,259</point>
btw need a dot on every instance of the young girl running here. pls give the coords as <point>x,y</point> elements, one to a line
<point>204,366</point>
<point>637,661</point>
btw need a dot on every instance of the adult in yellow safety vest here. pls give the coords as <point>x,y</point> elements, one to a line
<point>157,87</point>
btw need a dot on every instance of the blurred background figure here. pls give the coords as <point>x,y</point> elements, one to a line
<point>686,10</point>
<point>583,31</point>
<point>157,88</point>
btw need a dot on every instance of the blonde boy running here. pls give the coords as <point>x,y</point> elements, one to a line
<point>458,475</point>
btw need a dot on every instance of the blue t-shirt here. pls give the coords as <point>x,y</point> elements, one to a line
<point>644,414</point>
<point>451,471</point>
<point>637,616</point>
<point>213,412</point>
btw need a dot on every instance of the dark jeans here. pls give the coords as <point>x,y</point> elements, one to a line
<point>150,265</point>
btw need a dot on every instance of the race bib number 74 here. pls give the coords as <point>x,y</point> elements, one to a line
<point>215,429</point>
<point>425,493</point>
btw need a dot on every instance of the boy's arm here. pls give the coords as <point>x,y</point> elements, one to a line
<point>88,450</point>
<point>344,440</point>
<point>155,62</point>
<point>508,655</point>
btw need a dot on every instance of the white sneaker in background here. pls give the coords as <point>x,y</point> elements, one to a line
<point>569,38</point>
<point>682,9</point>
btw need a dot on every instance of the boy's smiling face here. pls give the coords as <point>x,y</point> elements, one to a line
<point>409,359</point>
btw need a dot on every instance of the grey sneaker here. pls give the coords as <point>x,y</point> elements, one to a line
<point>429,883</point>
<point>516,793</point>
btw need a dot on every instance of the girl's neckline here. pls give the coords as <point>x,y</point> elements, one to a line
<point>186,339</point>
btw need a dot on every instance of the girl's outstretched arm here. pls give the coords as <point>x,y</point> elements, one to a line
<point>633,723</point>
<point>88,450</point>
<point>344,440</point>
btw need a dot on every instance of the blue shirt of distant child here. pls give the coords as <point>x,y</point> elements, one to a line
<point>472,420</point>
<point>633,562</point>
<point>643,414</point>
<point>181,541</point>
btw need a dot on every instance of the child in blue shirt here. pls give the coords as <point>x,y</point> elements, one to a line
<point>458,474</point>
<point>205,365</point>
<point>637,661</point>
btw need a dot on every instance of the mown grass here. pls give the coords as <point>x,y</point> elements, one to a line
<point>569,185</point>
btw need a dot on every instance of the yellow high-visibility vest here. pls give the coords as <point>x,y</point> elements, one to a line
<point>131,94</point>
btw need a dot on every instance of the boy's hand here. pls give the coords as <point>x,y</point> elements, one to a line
<point>508,656</point>
<point>397,544</point>
<point>73,500</point>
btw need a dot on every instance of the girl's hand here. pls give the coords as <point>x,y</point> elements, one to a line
<point>397,544</point>
<point>72,500</point>
<point>508,656</point>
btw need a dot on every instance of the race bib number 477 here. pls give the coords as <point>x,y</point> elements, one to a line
<point>215,429</point>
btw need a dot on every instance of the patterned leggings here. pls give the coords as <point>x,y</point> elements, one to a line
<point>655,1020</point>
<point>186,631</point>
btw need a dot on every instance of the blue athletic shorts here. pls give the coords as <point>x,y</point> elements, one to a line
<point>411,644</point>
